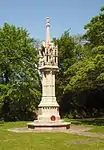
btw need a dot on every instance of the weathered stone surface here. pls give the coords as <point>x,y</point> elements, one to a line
<point>48,109</point>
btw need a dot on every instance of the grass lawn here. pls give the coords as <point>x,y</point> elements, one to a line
<point>97,124</point>
<point>45,141</point>
<point>97,129</point>
<point>87,121</point>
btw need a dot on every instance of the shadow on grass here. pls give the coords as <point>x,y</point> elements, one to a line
<point>1,123</point>
<point>89,121</point>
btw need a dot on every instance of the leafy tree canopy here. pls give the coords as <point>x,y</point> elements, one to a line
<point>19,79</point>
<point>69,53</point>
<point>88,71</point>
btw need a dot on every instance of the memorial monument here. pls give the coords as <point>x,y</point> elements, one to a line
<point>48,109</point>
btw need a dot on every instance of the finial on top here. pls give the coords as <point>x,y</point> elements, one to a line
<point>48,38</point>
<point>47,21</point>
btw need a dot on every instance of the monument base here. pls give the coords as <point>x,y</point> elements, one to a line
<point>52,125</point>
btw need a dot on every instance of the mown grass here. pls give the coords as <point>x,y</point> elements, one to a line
<point>97,129</point>
<point>96,124</point>
<point>44,141</point>
<point>87,121</point>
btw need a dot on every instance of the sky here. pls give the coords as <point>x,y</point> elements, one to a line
<point>64,15</point>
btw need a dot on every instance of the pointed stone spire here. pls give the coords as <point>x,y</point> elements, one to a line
<point>48,37</point>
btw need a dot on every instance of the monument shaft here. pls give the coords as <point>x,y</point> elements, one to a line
<point>48,109</point>
<point>48,66</point>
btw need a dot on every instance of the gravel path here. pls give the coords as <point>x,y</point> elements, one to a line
<point>74,129</point>
<point>82,130</point>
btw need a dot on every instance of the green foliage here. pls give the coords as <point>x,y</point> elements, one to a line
<point>19,79</point>
<point>80,80</point>
<point>66,46</point>
<point>88,72</point>
<point>95,30</point>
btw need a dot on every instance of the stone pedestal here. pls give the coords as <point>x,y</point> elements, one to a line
<point>48,109</point>
<point>49,125</point>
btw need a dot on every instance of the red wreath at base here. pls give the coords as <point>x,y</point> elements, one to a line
<point>53,118</point>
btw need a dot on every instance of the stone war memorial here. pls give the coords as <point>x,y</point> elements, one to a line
<point>48,110</point>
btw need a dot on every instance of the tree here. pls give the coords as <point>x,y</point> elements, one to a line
<point>85,77</point>
<point>95,31</point>
<point>19,79</point>
<point>69,50</point>
<point>65,51</point>
<point>88,72</point>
